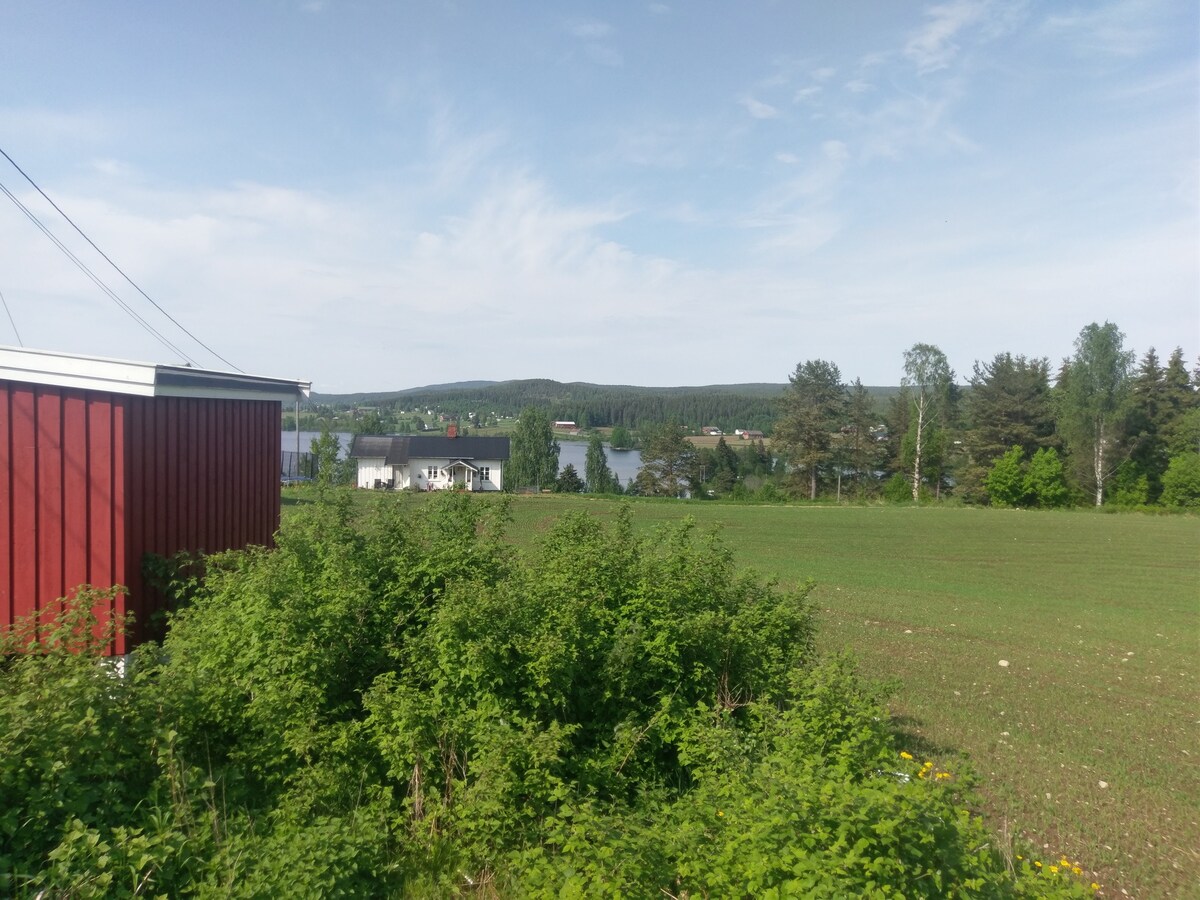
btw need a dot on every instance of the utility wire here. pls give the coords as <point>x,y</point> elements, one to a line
<point>95,279</point>
<point>114,265</point>
<point>10,320</point>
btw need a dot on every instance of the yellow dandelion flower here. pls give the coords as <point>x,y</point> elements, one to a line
<point>943,775</point>
<point>1038,863</point>
<point>1019,856</point>
<point>1063,862</point>
<point>1054,870</point>
<point>904,754</point>
<point>1095,886</point>
<point>720,812</point>
<point>1076,870</point>
<point>927,764</point>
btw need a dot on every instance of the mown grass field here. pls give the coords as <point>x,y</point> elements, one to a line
<point>1087,741</point>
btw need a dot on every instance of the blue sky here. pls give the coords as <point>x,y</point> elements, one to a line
<point>378,195</point>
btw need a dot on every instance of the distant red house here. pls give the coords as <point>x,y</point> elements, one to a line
<point>103,461</point>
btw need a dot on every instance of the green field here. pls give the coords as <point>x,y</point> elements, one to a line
<point>1097,617</point>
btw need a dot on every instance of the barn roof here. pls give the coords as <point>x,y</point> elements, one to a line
<point>142,379</point>
<point>397,450</point>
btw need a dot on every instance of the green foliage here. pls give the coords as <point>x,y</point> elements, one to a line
<point>668,463</point>
<point>620,439</point>
<point>1006,481</point>
<point>1129,485</point>
<point>1045,481</point>
<point>897,489</point>
<point>1009,404</point>
<point>597,475</point>
<point>1091,400</point>
<point>533,460</point>
<point>928,375</point>
<point>812,409</point>
<point>393,702</point>
<point>326,447</point>
<point>371,421</point>
<point>1181,481</point>
<point>568,481</point>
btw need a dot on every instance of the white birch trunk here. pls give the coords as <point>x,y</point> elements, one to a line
<point>917,459</point>
<point>1098,459</point>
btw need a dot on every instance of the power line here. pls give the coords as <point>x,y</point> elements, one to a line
<point>95,279</point>
<point>114,265</point>
<point>11,321</point>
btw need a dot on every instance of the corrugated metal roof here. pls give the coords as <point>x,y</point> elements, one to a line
<point>119,376</point>
<point>397,450</point>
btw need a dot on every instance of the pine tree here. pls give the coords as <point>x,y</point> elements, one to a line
<point>1009,405</point>
<point>812,409</point>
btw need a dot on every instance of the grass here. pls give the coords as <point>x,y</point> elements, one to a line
<point>1097,617</point>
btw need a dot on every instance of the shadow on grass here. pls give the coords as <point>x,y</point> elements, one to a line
<point>908,731</point>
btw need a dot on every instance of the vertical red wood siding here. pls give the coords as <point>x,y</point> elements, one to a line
<point>61,500</point>
<point>91,482</point>
<point>197,481</point>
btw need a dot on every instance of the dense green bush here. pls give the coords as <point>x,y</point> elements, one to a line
<point>395,703</point>
<point>1181,482</point>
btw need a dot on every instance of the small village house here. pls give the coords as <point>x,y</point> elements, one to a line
<point>430,462</point>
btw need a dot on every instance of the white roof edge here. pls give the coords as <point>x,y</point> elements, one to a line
<point>141,379</point>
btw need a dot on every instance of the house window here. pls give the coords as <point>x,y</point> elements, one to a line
<point>485,473</point>
<point>433,472</point>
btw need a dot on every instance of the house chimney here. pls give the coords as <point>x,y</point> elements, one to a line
<point>452,431</point>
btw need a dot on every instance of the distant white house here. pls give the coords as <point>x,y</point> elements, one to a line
<point>430,462</point>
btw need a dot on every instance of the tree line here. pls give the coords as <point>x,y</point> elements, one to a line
<point>1106,428</point>
<point>727,407</point>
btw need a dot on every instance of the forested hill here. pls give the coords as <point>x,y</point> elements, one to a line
<point>726,406</point>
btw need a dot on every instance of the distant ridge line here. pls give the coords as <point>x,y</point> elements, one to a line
<point>458,389</point>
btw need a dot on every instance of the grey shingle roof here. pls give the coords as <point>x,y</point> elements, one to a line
<point>396,450</point>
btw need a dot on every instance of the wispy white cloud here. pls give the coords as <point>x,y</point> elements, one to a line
<point>1126,28</point>
<point>933,47</point>
<point>806,93</point>
<point>589,29</point>
<point>858,86</point>
<point>593,33</point>
<point>758,109</point>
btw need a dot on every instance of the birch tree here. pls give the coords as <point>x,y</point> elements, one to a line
<point>533,460</point>
<point>1093,398</point>
<point>928,376</point>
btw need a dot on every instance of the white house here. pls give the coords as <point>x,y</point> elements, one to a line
<point>430,462</point>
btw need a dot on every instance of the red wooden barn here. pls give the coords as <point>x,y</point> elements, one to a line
<point>103,461</point>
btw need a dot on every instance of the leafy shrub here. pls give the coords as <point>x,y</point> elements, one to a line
<point>1181,481</point>
<point>1045,480</point>
<point>1005,481</point>
<point>393,702</point>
